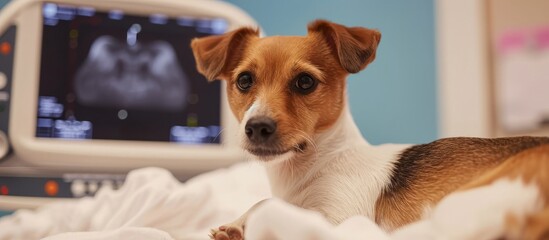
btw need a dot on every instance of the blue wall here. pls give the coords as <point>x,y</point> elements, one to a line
<point>394,99</point>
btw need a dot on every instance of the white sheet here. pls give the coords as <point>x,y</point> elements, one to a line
<point>152,204</point>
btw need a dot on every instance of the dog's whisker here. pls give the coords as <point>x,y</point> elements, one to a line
<point>218,134</point>
<point>301,134</point>
<point>308,140</point>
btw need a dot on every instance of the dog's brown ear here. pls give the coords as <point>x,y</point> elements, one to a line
<point>355,47</point>
<point>215,54</point>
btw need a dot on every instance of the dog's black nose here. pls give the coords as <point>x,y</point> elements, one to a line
<point>260,129</point>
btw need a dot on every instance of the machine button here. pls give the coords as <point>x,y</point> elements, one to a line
<point>5,48</point>
<point>92,187</point>
<point>4,190</point>
<point>3,80</point>
<point>51,188</point>
<point>78,188</point>
<point>107,184</point>
<point>4,144</point>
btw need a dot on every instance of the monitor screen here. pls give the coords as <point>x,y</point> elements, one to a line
<point>116,76</point>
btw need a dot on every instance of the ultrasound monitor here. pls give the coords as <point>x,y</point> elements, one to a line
<point>112,85</point>
<point>111,75</point>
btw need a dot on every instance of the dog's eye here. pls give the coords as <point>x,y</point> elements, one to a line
<point>305,84</point>
<point>244,81</point>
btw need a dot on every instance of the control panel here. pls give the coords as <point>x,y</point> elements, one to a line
<point>65,186</point>
<point>7,43</point>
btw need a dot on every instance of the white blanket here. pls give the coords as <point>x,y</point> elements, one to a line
<point>152,204</point>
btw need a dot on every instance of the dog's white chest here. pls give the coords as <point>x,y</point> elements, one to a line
<point>339,185</point>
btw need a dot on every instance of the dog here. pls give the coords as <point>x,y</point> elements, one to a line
<point>289,96</point>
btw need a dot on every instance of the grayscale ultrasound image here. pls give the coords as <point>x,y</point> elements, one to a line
<point>125,77</point>
<point>140,76</point>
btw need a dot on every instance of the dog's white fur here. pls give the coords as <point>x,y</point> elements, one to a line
<point>477,213</point>
<point>474,214</point>
<point>342,176</point>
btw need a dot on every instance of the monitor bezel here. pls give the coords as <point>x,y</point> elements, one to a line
<point>113,154</point>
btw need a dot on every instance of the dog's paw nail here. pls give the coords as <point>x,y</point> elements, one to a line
<point>227,232</point>
<point>212,233</point>
<point>221,236</point>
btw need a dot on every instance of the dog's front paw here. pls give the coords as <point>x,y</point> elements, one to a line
<point>227,232</point>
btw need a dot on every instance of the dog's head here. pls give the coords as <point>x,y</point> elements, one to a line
<point>284,89</point>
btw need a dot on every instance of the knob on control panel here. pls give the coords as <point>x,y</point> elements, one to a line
<point>4,144</point>
<point>7,40</point>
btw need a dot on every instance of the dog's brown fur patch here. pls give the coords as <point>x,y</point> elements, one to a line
<point>426,173</point>
<point>532,166</point>
<point>534,227</point>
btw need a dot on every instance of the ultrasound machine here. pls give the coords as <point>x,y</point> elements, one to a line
<point>90,90</point>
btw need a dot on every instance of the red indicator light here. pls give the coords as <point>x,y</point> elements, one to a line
<point>4,190</point>
<point>5,48</point>
<point>51,188</point>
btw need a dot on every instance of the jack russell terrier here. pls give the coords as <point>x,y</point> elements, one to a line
<point>289,95</point>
